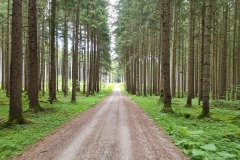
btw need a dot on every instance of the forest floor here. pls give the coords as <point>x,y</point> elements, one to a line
<point>16,139</point>
<point>109,131</point>
<point>215,138</point>
<point>116,128</point>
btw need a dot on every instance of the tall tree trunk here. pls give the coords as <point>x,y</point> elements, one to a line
<point>174,51</point>
<point>197,42</point>
<point>75,56</point>
<point>234,52</point>
<point>53,58</point>
<point>88,60</point>
<point>26,63</point>
<point>165,15</point>
<point>90,63</point>
<point>98,64</point>
<point>43,64</point>
<point>183,65</point>
<point>201,55</point>
<point>15,110</point>
<point>57,66</point>
<point>48,79</point>
<point>223,87</point>
<point>191,56</point>
<point>145,76</point>
<point>180,72</point>
<point>84,66</point>
<point>238,59</point>
<point>7,61</point>
<point>39,55</point>
<point>94,69</point>
<point>206,64</point>
<point>80,61</point>
<point>214,55</point>
<point>33,57</point>
<point>3,60</point>
<point>65,55</point>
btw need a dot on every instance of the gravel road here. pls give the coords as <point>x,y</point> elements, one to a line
<point>115,129</point>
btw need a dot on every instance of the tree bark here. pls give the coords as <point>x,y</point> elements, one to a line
<point>75,56</point>
<point>65,55</point>
<point>234,77</point>
<point>7,61</point>
<point>223,78</point>
<point>15,110</point>
<point>33,58</point>
<point>207,64</point>
<point>165,63</point>
<point>201,54</point>
<point>43,64</point>
<point>191,56</point>
<point>3,60</point>
<point>238,59</point>
<point>52,86</point>
<point>174,48</point>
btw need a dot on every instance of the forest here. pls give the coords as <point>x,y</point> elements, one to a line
<point>178,61</point>
<point>83,56</point>
<point>201,54</point>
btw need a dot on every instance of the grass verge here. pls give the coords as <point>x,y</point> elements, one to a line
<point>15,139</point>
<point>201,139</point>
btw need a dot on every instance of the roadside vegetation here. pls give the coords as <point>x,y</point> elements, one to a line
<point>214,138</point>
<point>17,138</point>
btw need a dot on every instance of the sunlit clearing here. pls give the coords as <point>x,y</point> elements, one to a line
<point>117,88</point>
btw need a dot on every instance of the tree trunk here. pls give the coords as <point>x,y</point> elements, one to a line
<point>201,55</point>
<point>3,60</point>
<point>207,54</point>
<point>33,57</point>
<point>7,61</point>
<point>15,110</point>
<point>174,51</point>
<point>75,56</point>
<point>43,64</point>
<point>84,67</point>
<point>234,77</point>
<point>191,56</point>
<point>238,59</point>
<point>165,15</point>
<point>57,66</point>
<point>223,79</point>
<point>65,56</point>
<point>53,58</point>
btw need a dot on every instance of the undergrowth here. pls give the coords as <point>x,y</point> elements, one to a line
<point>217,138</point>
<point>15,139</point>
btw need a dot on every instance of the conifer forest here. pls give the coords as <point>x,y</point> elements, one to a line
<point>120,79</point>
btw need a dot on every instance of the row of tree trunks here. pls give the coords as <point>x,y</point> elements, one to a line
<point>34,48</point>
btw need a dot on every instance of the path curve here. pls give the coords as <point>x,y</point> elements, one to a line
<point>115,129</point>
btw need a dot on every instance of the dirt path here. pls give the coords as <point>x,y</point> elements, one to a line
<point>115,129</point>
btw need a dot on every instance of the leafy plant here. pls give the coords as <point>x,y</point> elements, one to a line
<point>202,139</point>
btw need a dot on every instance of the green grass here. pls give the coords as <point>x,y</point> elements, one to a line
<point>202,139</point>
<point>15,139</point>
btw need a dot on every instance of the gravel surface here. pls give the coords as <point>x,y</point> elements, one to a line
<point>115,129</point>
